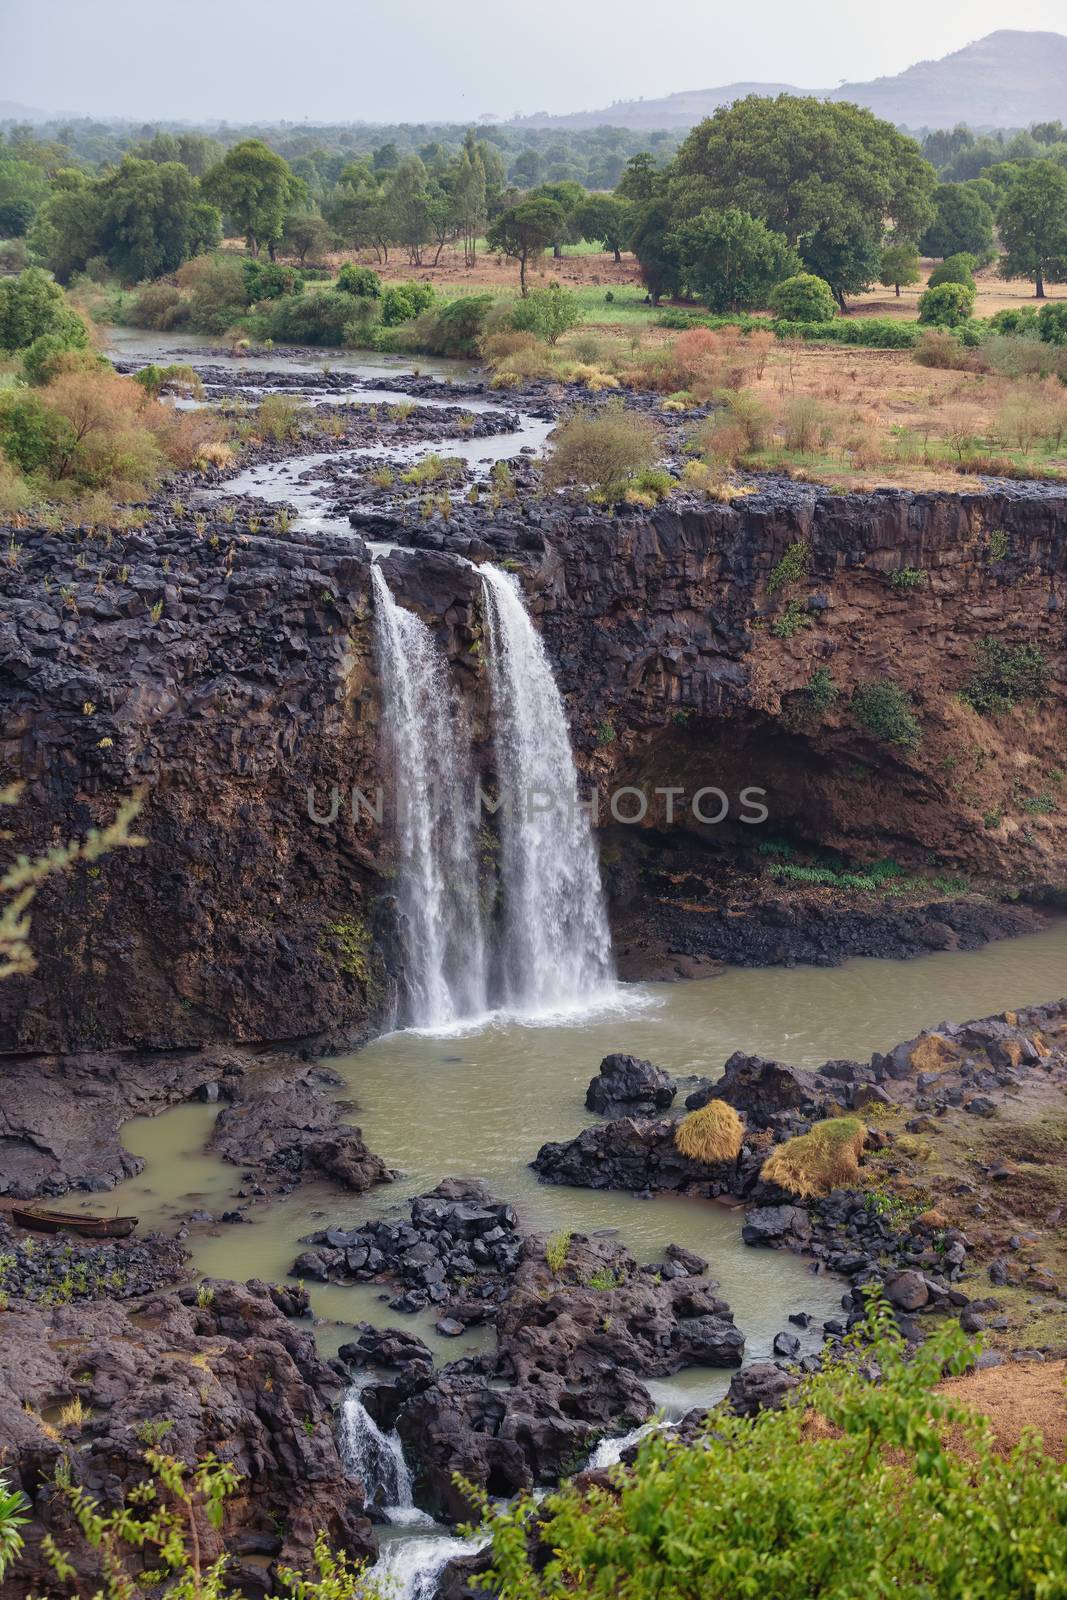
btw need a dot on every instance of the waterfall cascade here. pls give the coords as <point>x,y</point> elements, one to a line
<point>409,1569</point>
<point>377,1460</point>
<point>556,946</point>
<point>438,881</point>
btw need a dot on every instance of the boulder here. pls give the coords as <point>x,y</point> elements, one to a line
<point>627,1085</point>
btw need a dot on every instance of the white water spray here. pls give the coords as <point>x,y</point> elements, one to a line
<point>377,1460</point>
<point>409,1569</point>
<point>441,923</point>
<point>556,946</point>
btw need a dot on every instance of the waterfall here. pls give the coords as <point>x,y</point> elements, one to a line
<point>556,946</point>
<point>441,921</point>
<point>377,1460</point>
<point>409,1569</point>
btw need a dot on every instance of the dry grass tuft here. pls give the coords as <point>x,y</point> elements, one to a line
<point>714,1133</point>
<point>824,1158</point>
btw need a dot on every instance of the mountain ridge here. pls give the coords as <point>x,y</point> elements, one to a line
<point>1007,79</point>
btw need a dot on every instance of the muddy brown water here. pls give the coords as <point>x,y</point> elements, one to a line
<point>480,1100</point>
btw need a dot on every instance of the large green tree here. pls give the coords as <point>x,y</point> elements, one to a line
<point>655,245</point>
<point>963,222</point>
<point>605,219</point>
<point>830,177</point>
<point>732,260</point>
<point>65,229</point>
<point>152,218</point>
<point>254,186</point>
<point>31,306</point>
<point>524,231</point>
<point>1033,227</point>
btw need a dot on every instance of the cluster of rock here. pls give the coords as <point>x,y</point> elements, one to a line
<point>225,1372</point>
<point>55,1270</point>
<point>578,1324</point>
<point>459,1252</point>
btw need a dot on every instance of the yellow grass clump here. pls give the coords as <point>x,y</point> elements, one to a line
<point>714,1133</point>
<point>824,1158</point>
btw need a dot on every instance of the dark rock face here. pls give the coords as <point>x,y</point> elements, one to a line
<point>763,1090</point>
<point>627,1086</point>
<point>244,919</point>
<point>630,1154</point>
<point>234,1377</point>
<point>788,1225</point>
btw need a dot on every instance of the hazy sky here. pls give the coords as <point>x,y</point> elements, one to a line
<point>422,60</point>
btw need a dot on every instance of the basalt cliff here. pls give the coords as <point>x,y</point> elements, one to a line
<point>232,681</point>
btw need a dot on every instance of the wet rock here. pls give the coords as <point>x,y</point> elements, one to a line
<point>763,1386</point>
<point>629,1086</point>
<point>786,1344</point>
<point>777,1226</point>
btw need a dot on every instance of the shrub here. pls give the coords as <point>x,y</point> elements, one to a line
<point>216,291</point>
<point>602,451</point>
<point>947,306</point>
<point>875,333</point>
<point>1052,322</point>
<point>454,329</point>
<point>158,305</point>
<point>714,1133</point>
<point>821,691</point>
<point>360,281</point>
<point>824,1158</point>
<point>269,280</point>
<point>557,1248</point>
<point>51,354</point>
<point>279,416</point>
<point>954,269</point>
<point>792,567</point>
<point>32,305</point>
<point>748,413</point>
<point>909,578</point>
<point>32,438</point>
<point>939,348</point>
<point>1004,676</point>
<point>1014,320</point>
<point>807,424</point>
<point>401,302</point>
<point>885,710</point>
<point>1019,355</point>
<point>547,313</point>
<point>327,318</point>
<point>803,298</point>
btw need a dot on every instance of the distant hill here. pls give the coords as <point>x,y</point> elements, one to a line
<point>12,111</point>
<point>1006,80</point>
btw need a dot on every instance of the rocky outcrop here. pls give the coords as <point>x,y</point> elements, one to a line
<point>631,1153</point>
<point>227,1373</point>
<point>627,1085</point>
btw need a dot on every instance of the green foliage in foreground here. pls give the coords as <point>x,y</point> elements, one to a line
<point>875,1507</point>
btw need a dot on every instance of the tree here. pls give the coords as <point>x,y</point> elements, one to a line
<point>470,197</point>
<point>523,232</point>
<point>656,249</point>
<point>731,260</point>
<point>828,176</point>
<point>65,230</point>
<point>949,305</point>
<point>31,305</point>
<point>963,221</point>
<point>900,266</point>
<point>253,186</point>
<point>642,178</point>
<point>408,199</point>
<point>1033,227</point>
<point>152,218</point>
<point>547,313</point>
<point>306,234</point>
<point>954,269</point>
<point>803,298</point>
<point>568,196</point>
<point>23,187</point>
<point>606,219</point>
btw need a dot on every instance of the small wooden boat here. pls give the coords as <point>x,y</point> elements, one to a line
<point>74,1222</point>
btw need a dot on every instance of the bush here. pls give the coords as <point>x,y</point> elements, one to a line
<point>714,1133</point>
<point>808,425</point>
<point>32,438</point>
<point>403,301</point>
<point>51,354</point>
<point>1019,356</point>
<point>454,329</point>
<point>874,333</point>
<point>937,347</point>
<point>269,280</point>
<point>1052,322</point>
<point>329,317</point>
<point>824,1158</point>
<point>360,281</point>
<point>279,416</point>
<point>32,305</point>
<point>954,269</point>
<point>216,291</point>
<point>885,710</point>
<point>1013,320</point>
<point>876,1488</point>
<point>947,306</point>
<point>547,313</point>
<point>158,305</point>
<point>803,298</point>
<point>1005,676</point>
<point>602,451</point>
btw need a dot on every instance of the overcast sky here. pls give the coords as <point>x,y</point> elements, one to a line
<point>424,60</point>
